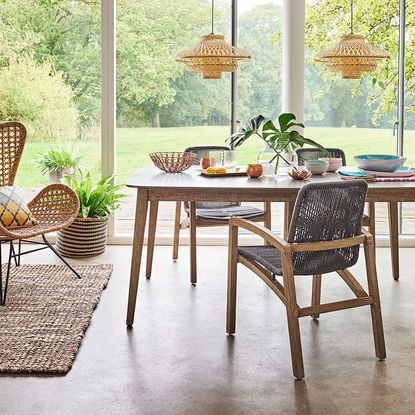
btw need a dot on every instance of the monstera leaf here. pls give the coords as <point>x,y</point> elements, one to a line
<point>279,139</point>
<point>250,128</point>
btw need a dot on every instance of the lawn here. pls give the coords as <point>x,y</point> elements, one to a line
<point>134,145</point>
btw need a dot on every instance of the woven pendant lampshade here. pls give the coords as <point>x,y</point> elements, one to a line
<point>352,55</point>
<point>212,56</point>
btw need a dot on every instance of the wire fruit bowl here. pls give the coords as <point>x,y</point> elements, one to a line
<point>173,161</point>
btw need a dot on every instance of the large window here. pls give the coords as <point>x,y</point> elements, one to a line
<point>355,115</point>
<point>50,75</point>
<point>50,80</point>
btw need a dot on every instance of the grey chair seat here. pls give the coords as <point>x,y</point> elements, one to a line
<point>265,255</point>
<point>225,213</point>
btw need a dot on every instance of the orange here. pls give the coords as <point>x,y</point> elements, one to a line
<point>210,170</point>
<point>220,170</point>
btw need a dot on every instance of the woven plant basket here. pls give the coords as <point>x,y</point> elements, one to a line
<point>86,237</point>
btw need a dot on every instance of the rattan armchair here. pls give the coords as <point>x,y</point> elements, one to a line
<point>369,220</point>
<point>325,236</point>
<point>55,207</point>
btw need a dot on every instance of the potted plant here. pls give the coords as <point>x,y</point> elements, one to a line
<point>87,235</point>
<point>59,163</point>
<point>282,140</point>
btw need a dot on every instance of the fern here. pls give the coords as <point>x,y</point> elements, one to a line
<point>96,201</point>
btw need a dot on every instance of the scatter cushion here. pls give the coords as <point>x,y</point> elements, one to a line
<point>14,213</point>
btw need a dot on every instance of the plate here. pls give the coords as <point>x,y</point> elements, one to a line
<point>401,172</point>
<point>230,174</point>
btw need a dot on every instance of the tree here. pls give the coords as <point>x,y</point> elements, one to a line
<point>377,21</point>
<point>150,34</point>
<point>38,96</point>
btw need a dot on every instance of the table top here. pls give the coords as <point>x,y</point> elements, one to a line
<point>152,177</point>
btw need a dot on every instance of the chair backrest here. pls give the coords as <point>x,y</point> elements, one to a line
<point>305,154</point>
<point>327,212</point>
<point>12,141</point>
<point>203,151</point>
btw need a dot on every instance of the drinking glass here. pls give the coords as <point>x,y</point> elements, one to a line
<point>229,159</point>
<point>216,158</point>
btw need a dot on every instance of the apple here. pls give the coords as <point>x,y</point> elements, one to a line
<point>205,162</point>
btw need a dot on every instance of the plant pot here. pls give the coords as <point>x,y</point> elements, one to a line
<point>85,237</point>
<point>56,176</point>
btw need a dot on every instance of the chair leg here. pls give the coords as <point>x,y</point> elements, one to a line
<point>292,317</point>
<point>375,306</point>
<point>176,238</point>
<point>394,238</point>
<point>232,280</point>
<point>152,225</point>
<point>193,266</point>
<point>267,221</point>
<point>316,293</point>
<point>3,291</point>
<point>59,256</point>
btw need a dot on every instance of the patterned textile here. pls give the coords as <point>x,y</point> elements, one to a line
<point>14,213</point>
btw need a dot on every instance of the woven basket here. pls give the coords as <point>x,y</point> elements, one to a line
<point>86,237</point>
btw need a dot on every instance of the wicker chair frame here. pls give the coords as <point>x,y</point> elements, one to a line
<point>55,207</point>
<point>325,236</point>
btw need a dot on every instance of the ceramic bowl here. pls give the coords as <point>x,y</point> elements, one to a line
<point>334,163</point>
<point>317,167</point>
<point>254,171</point>
<point>301,173</point>
<point>379,162</point>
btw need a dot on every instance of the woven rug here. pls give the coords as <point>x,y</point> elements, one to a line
<point>46,314</point>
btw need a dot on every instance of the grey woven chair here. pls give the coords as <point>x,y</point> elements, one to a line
<point>305,154</point>
<point>324,236</point>
<point>208,214</point>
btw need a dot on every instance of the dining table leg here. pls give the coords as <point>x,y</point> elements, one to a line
<point>394,237</point>
<point>193,258</point>
<point>139,229</point>
<point>372,221</point>
<point>152,225</point>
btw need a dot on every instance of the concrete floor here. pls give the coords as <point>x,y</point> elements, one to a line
<point>178,360</point>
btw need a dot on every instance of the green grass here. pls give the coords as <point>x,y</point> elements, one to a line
<point>134,145</point>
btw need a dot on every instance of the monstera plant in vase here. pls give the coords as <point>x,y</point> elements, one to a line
<point>280,142</point>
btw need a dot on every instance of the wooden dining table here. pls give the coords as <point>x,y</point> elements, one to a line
<point>154,186</point>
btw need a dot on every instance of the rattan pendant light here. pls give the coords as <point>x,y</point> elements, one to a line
<point>352,55</point>
<point>213,55</point>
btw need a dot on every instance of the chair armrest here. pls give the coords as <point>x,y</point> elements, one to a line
<point>369,237</point>
<point>328,245</point>
<point>261,231</point>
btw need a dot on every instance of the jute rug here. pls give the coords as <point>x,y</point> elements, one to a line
<point>46,314</point>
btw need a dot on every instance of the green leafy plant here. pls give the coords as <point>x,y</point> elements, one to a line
<point>58,159</point>
<point>96,200</point>
<point>280,139</point>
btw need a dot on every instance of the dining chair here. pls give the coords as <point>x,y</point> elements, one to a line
<point>369,220</point>
<point>55,207</point>
<point>325,236</point>
<point>208,214</point>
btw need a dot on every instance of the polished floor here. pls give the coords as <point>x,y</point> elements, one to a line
<point>178,360</point>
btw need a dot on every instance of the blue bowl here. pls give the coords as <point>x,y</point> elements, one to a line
<point>379,162</point>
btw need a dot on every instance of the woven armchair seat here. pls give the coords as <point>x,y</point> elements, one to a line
<point>55,208</point>
<point>225,213</point>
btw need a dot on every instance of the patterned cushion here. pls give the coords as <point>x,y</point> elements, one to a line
<point>14,212</point>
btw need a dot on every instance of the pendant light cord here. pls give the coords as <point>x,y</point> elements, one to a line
<point>213,13</point>
<point>351,16</point>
